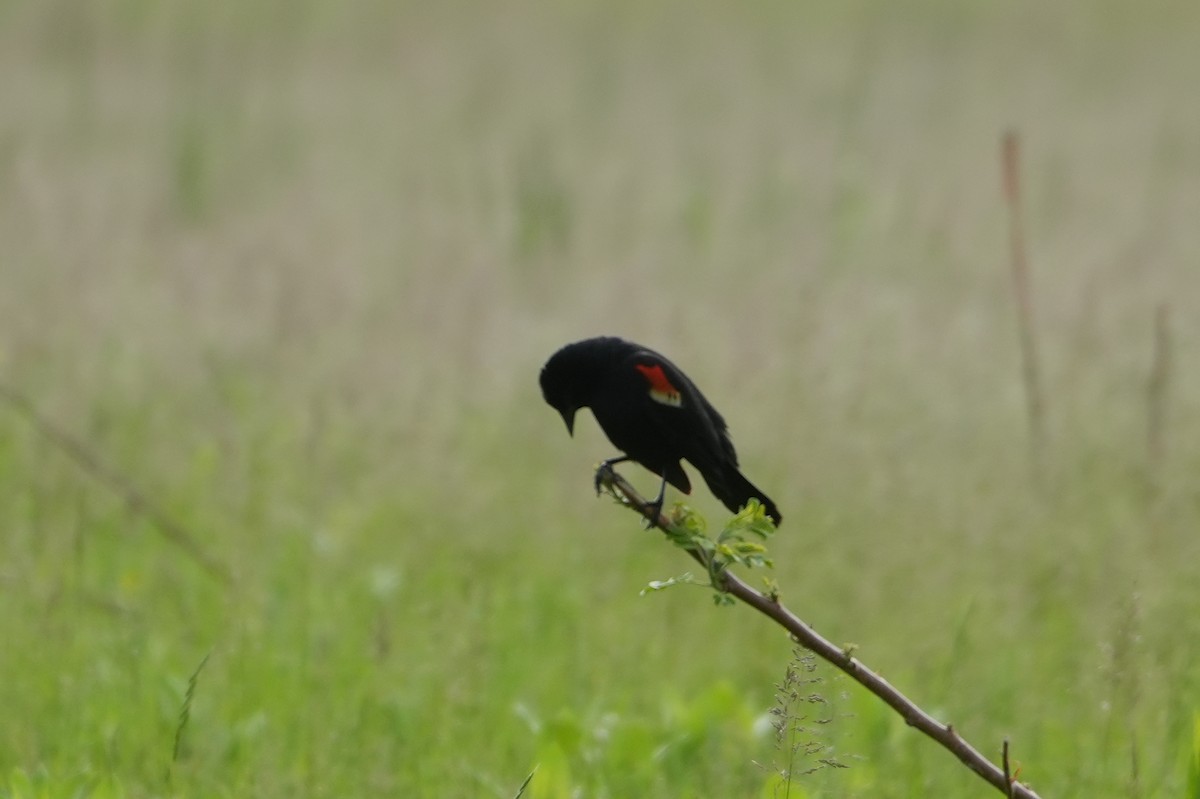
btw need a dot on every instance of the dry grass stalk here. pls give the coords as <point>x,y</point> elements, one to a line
<point>1030,367</point>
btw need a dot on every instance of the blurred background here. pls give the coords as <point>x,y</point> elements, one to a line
<point>292,268</point>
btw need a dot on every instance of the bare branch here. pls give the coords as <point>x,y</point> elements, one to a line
<point>135,500</point>
<point>806,636</point>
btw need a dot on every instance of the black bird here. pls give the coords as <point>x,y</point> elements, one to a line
<point>652,412</point>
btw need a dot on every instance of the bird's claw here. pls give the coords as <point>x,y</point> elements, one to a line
<point>653,513</point>
<point>606,479</point>
<point>603,477</point>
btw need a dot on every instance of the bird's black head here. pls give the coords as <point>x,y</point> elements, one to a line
<point>556,389</point>
<point>570,377</point>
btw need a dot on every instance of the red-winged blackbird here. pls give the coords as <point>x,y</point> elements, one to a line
<point>652,412</point>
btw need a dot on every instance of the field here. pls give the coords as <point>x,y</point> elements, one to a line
<point>291,269</point>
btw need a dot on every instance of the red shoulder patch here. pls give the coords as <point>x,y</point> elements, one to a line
<point>661,388</point>
<point>657,378</point>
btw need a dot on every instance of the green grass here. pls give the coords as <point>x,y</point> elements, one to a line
<point>293,267</point>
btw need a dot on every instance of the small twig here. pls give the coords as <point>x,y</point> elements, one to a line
<point>1030,368</point>
<point>807,637</point>
<point>1008,780</point>
<point>135,500</point>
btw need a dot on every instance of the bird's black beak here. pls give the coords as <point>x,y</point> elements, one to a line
<point>568,415</point>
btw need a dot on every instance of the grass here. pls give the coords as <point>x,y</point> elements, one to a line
<point>292,268</point>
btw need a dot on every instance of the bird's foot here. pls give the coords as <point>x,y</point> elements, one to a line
<point>653,512</point>
<point>603,479</point>
<point>604,474</point>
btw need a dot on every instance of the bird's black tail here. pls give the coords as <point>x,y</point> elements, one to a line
<point>734,490</point>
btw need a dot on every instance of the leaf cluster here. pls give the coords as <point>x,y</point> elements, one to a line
<point>740,543</point>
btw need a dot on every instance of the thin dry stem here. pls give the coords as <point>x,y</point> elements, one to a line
<point>807,637</point>
<point>1157,388</point>
<point>1030,367</point>
<point>135,500</point>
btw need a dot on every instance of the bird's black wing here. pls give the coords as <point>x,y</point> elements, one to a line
<point>683,414</point>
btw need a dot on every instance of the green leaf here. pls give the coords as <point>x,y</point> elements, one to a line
<point>662,585</point>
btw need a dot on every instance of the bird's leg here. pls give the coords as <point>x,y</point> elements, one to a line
<point>606,466</point>
<point>654,510</point>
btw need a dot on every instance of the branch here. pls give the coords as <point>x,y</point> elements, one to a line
<point>944,734</point>
<point>137,502</point>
